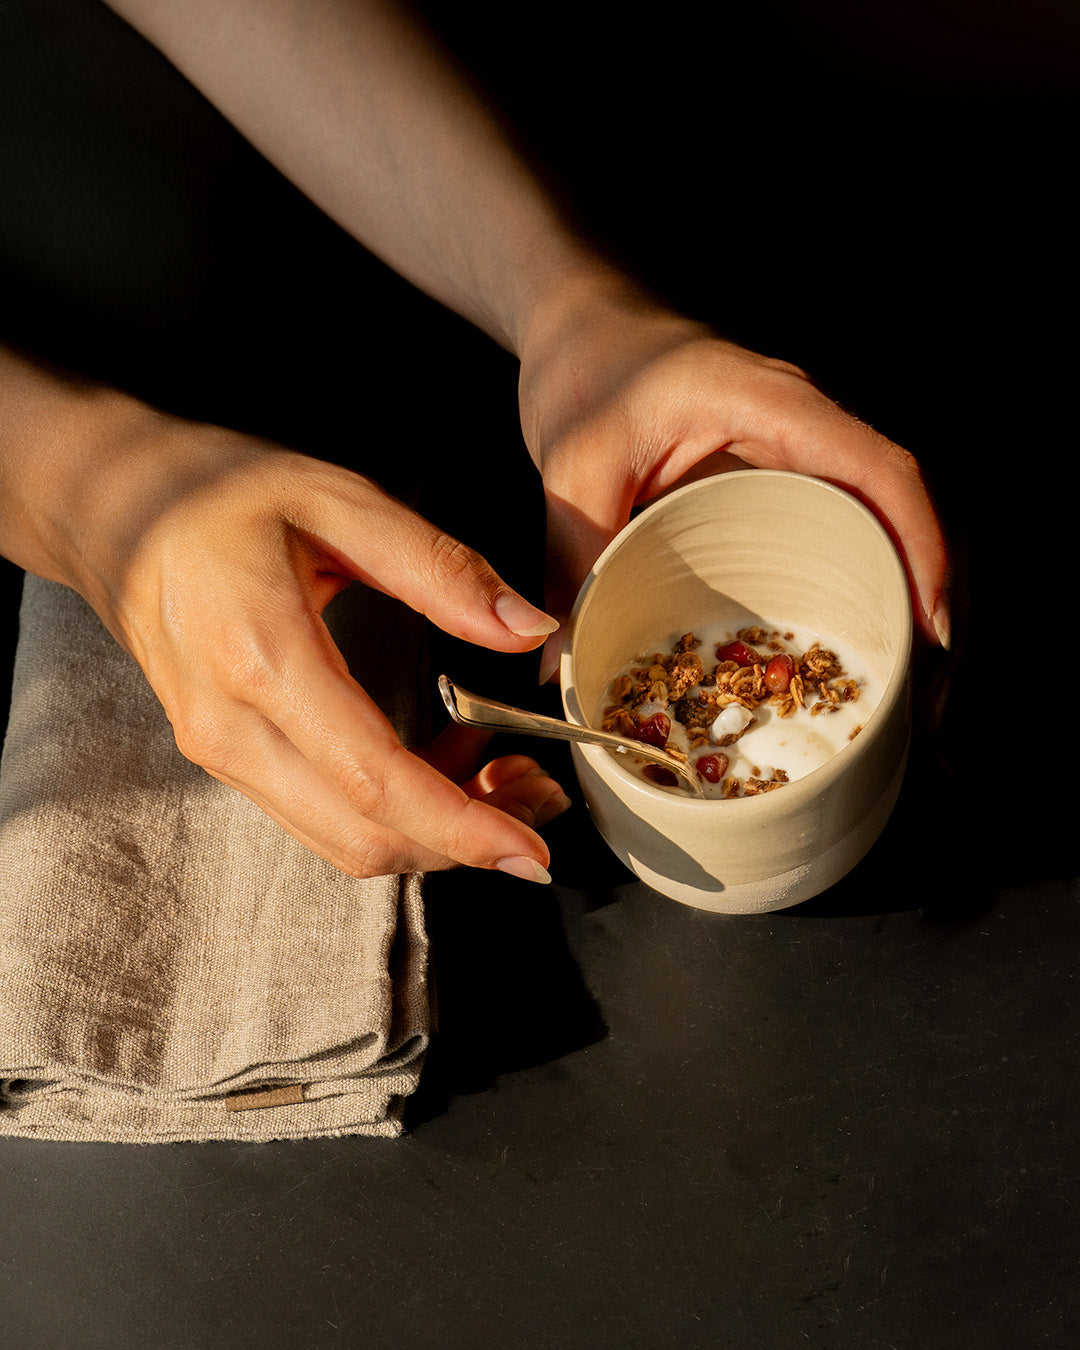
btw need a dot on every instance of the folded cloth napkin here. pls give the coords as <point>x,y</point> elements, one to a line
<point>173,966</point>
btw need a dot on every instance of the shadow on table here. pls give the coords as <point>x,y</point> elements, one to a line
<point>927,858</point>
<point>508,993</point>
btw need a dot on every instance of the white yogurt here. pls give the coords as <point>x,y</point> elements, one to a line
<point>796,745</point>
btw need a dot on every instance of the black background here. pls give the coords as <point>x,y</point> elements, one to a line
<point>879,194</point>
<point>851,1125</point>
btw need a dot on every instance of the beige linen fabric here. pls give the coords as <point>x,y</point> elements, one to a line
<point>166,951</point>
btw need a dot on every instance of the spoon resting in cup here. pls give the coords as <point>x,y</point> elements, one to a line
<point>473,711</point>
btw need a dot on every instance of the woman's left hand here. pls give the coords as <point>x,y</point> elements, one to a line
<point>622,399</point>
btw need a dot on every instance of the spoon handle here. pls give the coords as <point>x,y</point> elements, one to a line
<point>472,710</point>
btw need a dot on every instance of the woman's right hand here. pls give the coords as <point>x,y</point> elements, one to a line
<point>210,555</point>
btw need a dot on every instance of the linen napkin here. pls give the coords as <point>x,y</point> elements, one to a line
<point>173,966</point>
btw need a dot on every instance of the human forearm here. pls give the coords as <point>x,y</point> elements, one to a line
<point>620,397</point>
<point>86,469</point>
<point>354,102</point>
<point>54,429</point>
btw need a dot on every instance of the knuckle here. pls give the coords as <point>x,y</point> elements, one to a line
<point>246,664</point>
<point>201,740</point>
<point>366,782</point>
<point>787,368</point>
<point>365,857</point>
<point>899,461</point>
<point>451,559</point>
<point>469,835</point>
<point>907,463</point>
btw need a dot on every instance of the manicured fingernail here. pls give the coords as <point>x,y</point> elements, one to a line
<point>524,868</point>
<point>942,621</point>
<point>522,618</point>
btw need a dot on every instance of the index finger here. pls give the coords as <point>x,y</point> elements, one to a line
<point>339,730</point>
<point>829,443</point>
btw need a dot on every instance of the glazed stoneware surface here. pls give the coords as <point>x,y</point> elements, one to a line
<point>743,548</point>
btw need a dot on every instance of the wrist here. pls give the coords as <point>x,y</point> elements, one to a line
<point>83,467</point>
<point>569,300</point>
<point>50,422</point>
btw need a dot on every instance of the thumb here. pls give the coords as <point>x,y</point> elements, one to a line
<point>575,539</point>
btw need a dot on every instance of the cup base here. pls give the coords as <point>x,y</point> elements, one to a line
<point>789,888</point>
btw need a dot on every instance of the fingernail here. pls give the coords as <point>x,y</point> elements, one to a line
<point>524,868</point>
<point>522,618</point>
<point>942,621</point>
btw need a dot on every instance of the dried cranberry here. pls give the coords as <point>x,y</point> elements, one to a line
<point>712,767</point>
<point>778,673</point>
<point>654,730</point>
<point>737,651</point>
<point>656,773</point>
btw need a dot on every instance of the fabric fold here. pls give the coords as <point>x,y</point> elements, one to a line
<point>173,965</point>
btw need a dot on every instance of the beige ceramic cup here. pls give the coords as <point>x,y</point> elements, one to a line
<point>747,547</point>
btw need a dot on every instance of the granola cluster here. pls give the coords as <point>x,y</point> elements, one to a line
<point>755,667</point>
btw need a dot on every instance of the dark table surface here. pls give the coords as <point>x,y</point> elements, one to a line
<point>852,1124</point>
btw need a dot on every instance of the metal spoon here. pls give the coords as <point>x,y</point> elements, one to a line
<point>473,711</point>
